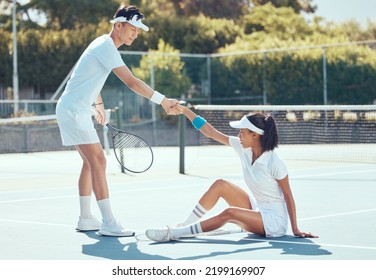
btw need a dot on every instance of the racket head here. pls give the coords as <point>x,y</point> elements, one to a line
<point>131,151</point>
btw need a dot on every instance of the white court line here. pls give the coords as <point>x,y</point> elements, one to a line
<point>228,236</point>
<point>338,214</point>
<point>135,189</point>
<point>208,178</point>
<point>316,244</point>
<point>333,173</point>
<point>37,198</point>
<point>34,223</point>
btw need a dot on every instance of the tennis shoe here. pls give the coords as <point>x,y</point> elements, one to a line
<point>160,235</point>
<point>88,224</point>
<point>115,228</point>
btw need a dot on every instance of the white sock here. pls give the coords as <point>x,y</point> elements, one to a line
<point>85,209</point>
<point>105,207</point>
<point>196,214</point>
<point>186,230</point>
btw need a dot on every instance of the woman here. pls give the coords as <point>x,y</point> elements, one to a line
<point>264,173</point>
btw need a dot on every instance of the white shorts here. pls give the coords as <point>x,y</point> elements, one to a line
<point>275,218</point>
<point>76,128</point>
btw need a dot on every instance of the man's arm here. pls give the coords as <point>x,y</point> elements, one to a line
<point>141,88</point>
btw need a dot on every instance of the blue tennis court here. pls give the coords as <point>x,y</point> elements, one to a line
<point>39,209</point>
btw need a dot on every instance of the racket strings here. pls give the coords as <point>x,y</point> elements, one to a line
<point>123,141</point>
<point>132,152</point>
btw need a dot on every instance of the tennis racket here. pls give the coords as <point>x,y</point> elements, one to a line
<point>131,151</point>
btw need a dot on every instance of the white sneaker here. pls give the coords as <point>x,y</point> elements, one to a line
<point>88,224</point>
<point>115,228</point>
<point>160,235</point>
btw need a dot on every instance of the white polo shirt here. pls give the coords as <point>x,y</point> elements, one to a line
<point>262,175</point>
<point>74,109</point>
<point>90,74</point>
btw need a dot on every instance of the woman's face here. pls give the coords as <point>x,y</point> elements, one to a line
<point>247,137</point>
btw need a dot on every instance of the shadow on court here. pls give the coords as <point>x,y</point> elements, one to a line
<point>113,249</point>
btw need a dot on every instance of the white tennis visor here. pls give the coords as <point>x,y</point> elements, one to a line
<point>245,123</point>
<point>133,21</point>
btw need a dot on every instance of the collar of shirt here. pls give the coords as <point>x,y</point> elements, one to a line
<point>264,158</point>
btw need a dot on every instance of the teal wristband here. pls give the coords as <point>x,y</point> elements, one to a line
<point>198,122</point>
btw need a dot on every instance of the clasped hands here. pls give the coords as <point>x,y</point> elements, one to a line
<point>171,106</point>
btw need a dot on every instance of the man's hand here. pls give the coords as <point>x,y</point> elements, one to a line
<point>169,105</point>
<point>100,114</point>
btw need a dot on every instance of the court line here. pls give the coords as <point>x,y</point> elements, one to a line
<point>35,223</point>
<point>226,233</point>
<point>333,173</point>
<point>316,244</point>
<point>135,189</point>
<point>338,214</point>
<point>311,174</point>
<point>37,198</point>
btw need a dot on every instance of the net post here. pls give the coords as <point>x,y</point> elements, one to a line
<point>182,142</point>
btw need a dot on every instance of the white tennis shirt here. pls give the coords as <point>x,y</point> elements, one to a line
<point>261,176</point>
<point>90,74</point>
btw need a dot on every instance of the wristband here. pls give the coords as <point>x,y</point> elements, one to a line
<point>157,97</point>
<point>198,122</point>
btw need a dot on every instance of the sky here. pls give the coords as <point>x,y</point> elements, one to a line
<point>344,10</point>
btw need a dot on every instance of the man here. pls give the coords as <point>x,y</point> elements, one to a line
<point>74,114</point>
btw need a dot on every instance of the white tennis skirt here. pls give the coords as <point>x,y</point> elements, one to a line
<point>275,218</point>
<point>76,128</point>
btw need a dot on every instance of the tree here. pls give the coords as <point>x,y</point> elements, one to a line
<point>230,9</point>
<point>168,70</point>
<point>281,22</point>
<point>5,59</point>
<point>194,34</point>
<point>296,5</point>
<point>68,14</point>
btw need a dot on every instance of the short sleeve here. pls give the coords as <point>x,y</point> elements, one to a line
<point>278,168</point>
<point>109,56</point>
<point>235,144</point>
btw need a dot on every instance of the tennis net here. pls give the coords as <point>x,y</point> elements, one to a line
<point>327,132</point>
<point>37,134</point>
<point>29,134</point>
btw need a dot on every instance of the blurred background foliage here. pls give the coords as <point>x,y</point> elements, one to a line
<point>49,48</point>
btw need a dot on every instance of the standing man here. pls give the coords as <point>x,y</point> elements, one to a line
<point>74,114</point>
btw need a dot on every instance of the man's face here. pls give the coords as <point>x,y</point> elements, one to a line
<point>127,33</point>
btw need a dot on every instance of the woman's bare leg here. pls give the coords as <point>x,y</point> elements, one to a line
<point>248,220</point>
<point>232,194</point>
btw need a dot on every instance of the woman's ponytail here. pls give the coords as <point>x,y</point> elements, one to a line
<point>269,140</point>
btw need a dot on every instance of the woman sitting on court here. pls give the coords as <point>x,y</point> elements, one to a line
<point>270,204</point>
